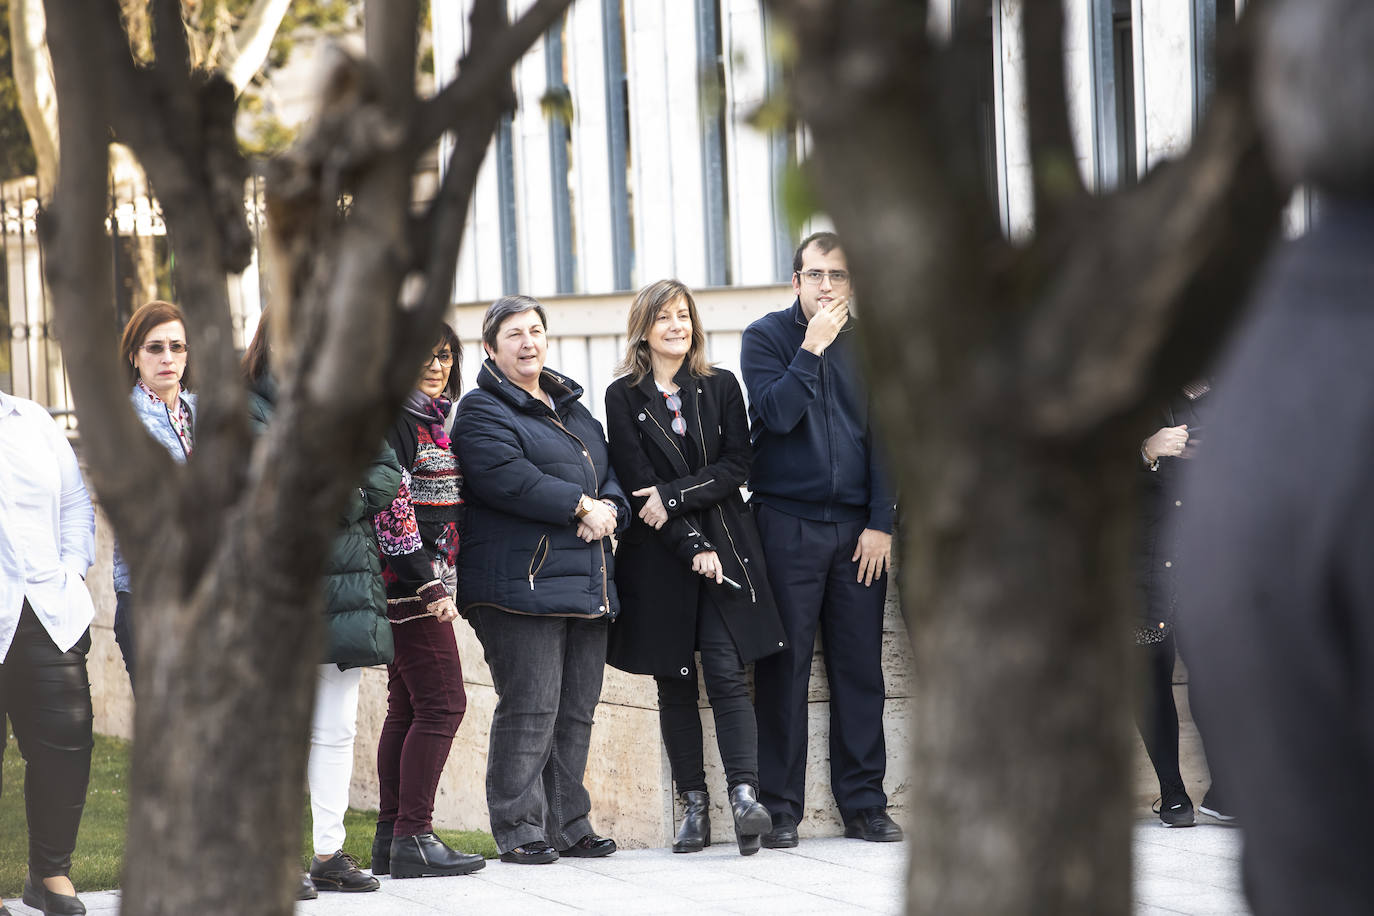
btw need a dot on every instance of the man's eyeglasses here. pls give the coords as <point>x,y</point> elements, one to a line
<point>156,347</point>
<point>814,277</point>
<point>445,359</point>
<point>675,405</point>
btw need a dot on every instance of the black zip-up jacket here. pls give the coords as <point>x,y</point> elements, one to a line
<point>814,454</point>
<point>524,469</point>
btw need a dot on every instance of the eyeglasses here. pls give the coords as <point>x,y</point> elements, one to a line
<point>445,359</point>
<point>675,405</point>
<point>156,347</point>
<point>814,277</point>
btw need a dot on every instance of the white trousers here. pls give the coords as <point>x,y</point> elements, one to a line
<point>330,769</point>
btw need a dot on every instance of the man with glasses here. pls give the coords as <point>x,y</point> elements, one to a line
<point>824,510</point>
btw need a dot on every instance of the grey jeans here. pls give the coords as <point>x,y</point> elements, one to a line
<point>547,674</point>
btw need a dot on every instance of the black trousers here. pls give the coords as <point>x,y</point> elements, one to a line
<point>124,630</point>
<point>813,575</point>
<point>1156,717</point>
<point>47,697</point>
<point>728,690</point>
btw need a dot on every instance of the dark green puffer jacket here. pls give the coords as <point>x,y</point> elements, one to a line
<point>354,597</point>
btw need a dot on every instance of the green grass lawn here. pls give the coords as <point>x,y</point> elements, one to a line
<point>99,852</point>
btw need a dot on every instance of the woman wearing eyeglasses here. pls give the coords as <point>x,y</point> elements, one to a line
<point>154,346</point>
<point>537,582</point>
<point>690,569</point>
<point>425,696</point>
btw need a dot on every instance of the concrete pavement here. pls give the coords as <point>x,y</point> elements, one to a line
<point>1192,871</point>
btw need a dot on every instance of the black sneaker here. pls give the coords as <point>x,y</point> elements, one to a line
<point>340,872</point>
<point>1213,805</point>
<point>1178,812</point>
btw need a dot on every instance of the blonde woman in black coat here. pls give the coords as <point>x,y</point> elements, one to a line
<point>690,569</point>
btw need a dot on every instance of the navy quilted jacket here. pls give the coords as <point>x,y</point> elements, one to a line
<point>525,467</point>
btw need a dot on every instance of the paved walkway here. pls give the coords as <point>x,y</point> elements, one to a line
<point>1177,871</point>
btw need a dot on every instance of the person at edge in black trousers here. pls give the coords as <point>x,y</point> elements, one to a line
<point>47,545</point>
<point>825,510</point>
<point>1164,459</point>
<point>690,570</point>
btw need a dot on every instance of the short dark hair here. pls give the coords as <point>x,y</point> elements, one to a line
<point>825,241</point>
<point>146,317</point>
<point>502,309</point>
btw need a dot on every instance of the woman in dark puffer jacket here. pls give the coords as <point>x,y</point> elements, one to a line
<point>537,582</point>
<point>357,635</point>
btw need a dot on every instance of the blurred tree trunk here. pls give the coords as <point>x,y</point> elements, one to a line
<point>226,551</point>
<point>1010,379</point>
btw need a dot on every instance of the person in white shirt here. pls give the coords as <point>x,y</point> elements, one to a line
<point>47,543</point>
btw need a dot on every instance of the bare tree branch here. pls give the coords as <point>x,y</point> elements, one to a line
<point>171,50</point>
<point>481,66</point>
<point>252,41</point>
<point>1054,167</point>
<point>1165,247</point>
<point>74,225</point>
<point>33,82</point>
<point>390,35</point>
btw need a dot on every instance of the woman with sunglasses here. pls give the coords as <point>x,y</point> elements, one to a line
<point>690,569</point>
<point>425,696</point>
<point>154,347</point>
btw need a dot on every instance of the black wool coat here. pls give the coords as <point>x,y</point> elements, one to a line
<point>699,485</point>
<point>525,467</point>
<point>1158,557</point>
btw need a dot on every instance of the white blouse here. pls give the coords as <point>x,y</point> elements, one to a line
<point>47,527</point>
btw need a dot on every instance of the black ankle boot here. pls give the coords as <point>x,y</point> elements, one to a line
<point>695,832</point>
<point>381,849</point>
<point>425,855</point>
<point>752,819</point>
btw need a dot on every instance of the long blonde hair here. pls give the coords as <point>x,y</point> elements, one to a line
<point>649,301</point>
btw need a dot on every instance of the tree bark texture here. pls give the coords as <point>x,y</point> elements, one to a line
<point>1010,381</point>
<point>226,551</point>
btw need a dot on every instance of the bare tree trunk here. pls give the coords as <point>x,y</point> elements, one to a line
<point>1006,379</point>
<point>226,551</point>
<point>33,80</point>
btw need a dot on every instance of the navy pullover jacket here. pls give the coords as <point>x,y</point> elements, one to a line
<point>814,454</point>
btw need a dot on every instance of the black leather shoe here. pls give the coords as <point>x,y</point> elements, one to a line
<point>695,833</point>
<point>40,898</point>
<point>425,856</point>
<point>340,872</point>
<point>873,825</point>
<point>752,819</point>
<point>536,852</point>
<point>305,888</point>
<point>381,849</point>
<point>784,833</point>
<point>590,846</point>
